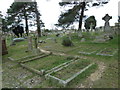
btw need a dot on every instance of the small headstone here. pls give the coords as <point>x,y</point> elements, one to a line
<point>12,42</point>
<point>55,40</point>
<point>83,40</point>
<point>91,27</point>
<point>80,34</point>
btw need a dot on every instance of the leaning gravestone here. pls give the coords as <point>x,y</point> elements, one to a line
<point>107,28</point>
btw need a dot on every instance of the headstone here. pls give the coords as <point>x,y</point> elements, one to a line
<point>91,27</point>
<point>83,40</point>
<point>80,34</point>
<point>4,47</point>
<point>35,42</point>
<point>55,40</point>
<point>107,27</point>
<point>30,46</point>
<point>36,50</point>
<point>12,42</point>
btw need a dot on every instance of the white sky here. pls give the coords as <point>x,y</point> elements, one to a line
<point>50,11</point>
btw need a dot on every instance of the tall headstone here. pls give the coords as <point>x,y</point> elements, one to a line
<point>30,46</point>
<point>36,50</point>
<point>107,27</point>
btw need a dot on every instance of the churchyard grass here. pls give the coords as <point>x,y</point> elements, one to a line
<point>70,70</point>
<point>46,63</point>
<point>109,77</point>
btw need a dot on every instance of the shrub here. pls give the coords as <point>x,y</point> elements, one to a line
<point>67,42</point>
<point>70,58</point>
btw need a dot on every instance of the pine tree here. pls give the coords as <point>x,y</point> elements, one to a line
<point>24,10</point>
<point>76,13</point>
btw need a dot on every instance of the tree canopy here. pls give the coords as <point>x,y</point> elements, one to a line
<point>90,20</point>
<point>24,10</point>
<point>76,13</point>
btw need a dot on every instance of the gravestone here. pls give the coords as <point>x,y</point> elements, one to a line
<point>12,42</point>
<point>55,40</point>
<point>4,47</point>
<point>36,50</point>
<point>30,46</point>
<point>107,28</point>
<point>91,27</point>
<point>83,40</point>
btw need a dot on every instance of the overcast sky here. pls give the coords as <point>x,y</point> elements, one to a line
<point>50,11</point>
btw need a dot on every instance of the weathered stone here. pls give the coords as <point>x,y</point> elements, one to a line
<point>107,27</point>
<point>30,46</point>
<point>4,47</point>
<point>18,39</point>
<point>83,40</point>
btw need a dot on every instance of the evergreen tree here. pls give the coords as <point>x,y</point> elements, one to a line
<point>89,21</point>
<point>24,10</point>
<point>76,13</point>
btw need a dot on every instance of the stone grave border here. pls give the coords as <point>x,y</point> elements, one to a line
<point>65,82</point>
<point>62,51</point>
<point>12,59</point>
<point>41,72</point>
<point>99,53</point>
<point>87,53</point>
<point>33,59</point>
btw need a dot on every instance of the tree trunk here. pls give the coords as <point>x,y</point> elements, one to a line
<point>81,16</point>
<point>37,20</point>
<point>38,26</point>
<point>26,22</point>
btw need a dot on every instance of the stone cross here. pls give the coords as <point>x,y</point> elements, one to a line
<point>107,28</point>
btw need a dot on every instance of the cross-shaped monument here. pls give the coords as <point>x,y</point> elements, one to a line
<point>107,28</point>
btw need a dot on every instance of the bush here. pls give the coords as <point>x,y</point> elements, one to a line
<point>67,42</point>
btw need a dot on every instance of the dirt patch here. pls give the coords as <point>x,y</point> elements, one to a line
<point>97,74</point>
<point>94,76</point>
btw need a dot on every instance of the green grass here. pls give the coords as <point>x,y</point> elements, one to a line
<point>80,78</point>
<point>73,68</point>
<point>109,78</point>
<point>46,63</point>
